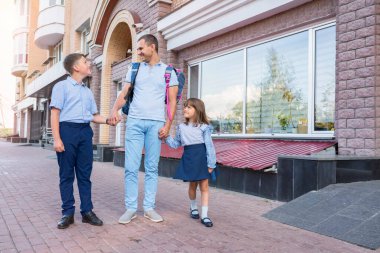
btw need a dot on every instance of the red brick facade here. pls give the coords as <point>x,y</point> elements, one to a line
<point>357,105</point>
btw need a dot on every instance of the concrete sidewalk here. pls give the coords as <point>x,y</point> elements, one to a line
<point>30,208</point>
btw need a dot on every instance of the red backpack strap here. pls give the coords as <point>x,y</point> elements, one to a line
<point>168,73</point>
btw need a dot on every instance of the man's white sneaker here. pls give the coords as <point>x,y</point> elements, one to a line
<point>153,216</point>
<point>127,217</point>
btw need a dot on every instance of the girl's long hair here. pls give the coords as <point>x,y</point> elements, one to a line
<point>200,111</point>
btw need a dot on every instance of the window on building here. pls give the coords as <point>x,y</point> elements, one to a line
<point>83,42</point>
<point>282,86</point>
<point>20,48</point>
<point>223,93</point>
<point>324,96</point>
<point>277,90</point>
<point>57,53</point>
<point>194,80</point>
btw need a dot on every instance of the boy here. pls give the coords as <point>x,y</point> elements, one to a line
<point>72,108</point>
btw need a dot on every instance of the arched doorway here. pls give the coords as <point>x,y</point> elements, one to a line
<point>119,40</point>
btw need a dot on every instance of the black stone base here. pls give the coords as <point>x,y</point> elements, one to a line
<point>348,171</point>
<point>296,175</point>
<point>118,158</point>
<point>104,152</point>
<point>18,140</point>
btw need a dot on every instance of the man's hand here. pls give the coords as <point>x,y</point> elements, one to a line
<point>114,118</point>
<point>58,146</point>
<point>164,132</point>
<point>210,170</point>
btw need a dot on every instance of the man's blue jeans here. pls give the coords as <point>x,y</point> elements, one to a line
<point>141,133</point>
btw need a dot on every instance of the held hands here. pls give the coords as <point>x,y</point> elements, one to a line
<point>164,132</point>
<point>113,119</point>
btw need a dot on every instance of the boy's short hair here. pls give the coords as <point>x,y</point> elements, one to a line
<point>70,61</point>
<point>149,40</point>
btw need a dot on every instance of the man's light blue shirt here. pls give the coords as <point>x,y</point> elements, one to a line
<point>149,92</point>
<point>76,101</point>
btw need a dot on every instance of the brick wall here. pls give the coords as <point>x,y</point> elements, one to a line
<point>357,123</point>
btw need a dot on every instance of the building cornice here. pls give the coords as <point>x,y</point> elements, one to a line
<point>200,20</point>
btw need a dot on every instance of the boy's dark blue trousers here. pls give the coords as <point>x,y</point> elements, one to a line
<point>75,160</point>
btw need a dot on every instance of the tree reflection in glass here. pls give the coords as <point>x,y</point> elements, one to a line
<point>277,85</point>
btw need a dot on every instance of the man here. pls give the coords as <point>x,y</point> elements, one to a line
<point>146,126</point>
<point>72,108</point>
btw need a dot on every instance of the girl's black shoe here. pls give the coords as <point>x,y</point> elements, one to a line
<point>194,214</point>
<point>207,222</point>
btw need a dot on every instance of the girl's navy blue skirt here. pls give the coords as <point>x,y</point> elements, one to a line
<point>193,164</point>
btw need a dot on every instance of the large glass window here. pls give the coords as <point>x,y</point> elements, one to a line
<point>283,86</point>
<point>222,91</point>
<point>324,98</point>
<point>277,85</point>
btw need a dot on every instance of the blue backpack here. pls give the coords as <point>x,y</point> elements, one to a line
<point>181,83</point>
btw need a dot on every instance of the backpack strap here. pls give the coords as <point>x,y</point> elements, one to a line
<point>135,70</point>
<point>168,73</point>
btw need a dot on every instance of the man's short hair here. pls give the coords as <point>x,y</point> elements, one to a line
<point>70,61</point>
<point>149,40</point>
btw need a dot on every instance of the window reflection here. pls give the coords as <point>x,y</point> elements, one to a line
<point>324,79</point>
<point>222,91</point>
<point>277,95</point>
<point>278,86</point>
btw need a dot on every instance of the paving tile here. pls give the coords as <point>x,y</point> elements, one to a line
<point>30,209</point>
<point>351,213</point>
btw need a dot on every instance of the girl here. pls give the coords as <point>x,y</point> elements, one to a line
<point>198,159</point>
